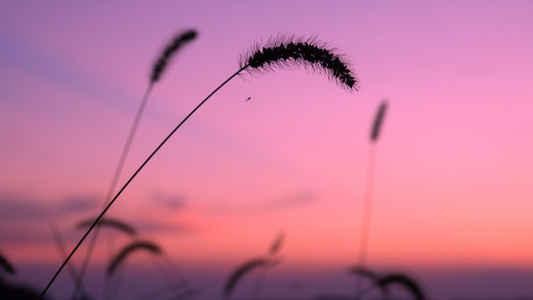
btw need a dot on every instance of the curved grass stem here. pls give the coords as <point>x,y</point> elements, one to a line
<point>113,184</point>
<point>61,247</point>
<point>131,179</point>
<point>256,292</point>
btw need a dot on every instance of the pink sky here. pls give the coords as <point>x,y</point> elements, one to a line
<point>453,172</point>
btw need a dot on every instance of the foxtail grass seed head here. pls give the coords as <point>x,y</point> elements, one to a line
<point>378,121</point>
<point>287,53</point>
<point>175,44</point>
<point>129,249</point>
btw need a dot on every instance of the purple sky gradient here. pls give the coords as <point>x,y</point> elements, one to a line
<point>452,199</point>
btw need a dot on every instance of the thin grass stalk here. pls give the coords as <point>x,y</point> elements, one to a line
<point>367,212</point>
<point>131,179</point>
<point>283,53</point>
<point>367,209</point>
<point>256,292</point>
<point>272,251</point>
<point>176,272</point>
<point>63,253</point>
<point>114,180</point>
<point>369,188</point>
<point>129,250</point>
<point>106,292</point>
<point>120,258</point>
<point>364,272</point>
<point>166,274</point>
<point>242,270</point>
<point>117,281</point>
<point>367,290</point>
<point>157,71</point>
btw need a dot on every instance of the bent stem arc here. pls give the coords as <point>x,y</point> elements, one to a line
<point>278,53</point>
<point>131,179</point>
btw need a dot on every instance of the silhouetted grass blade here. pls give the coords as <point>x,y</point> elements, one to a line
<point>244,269</point>
<point>402,280</point>
<point>108,222</point>
<point>128,250</point>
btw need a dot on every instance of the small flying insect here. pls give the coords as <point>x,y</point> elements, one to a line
<point>249,98</point>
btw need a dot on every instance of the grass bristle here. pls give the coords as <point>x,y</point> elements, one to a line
<point>126,251</point>
<point>287,53</point>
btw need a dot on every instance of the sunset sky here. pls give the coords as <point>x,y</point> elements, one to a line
<point>453,191</point>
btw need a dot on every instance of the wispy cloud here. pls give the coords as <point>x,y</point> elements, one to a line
<point>146,227</point>
<point>18,207</point>
<point>24,219</point>
<point>292,201</point>
<point>169,202</point>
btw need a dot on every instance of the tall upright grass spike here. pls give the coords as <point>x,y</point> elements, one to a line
<point>283,52</point>
<point>126,251</point>
<point>369,188</point>
<point>378,121</point>
<point>175,44</point>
